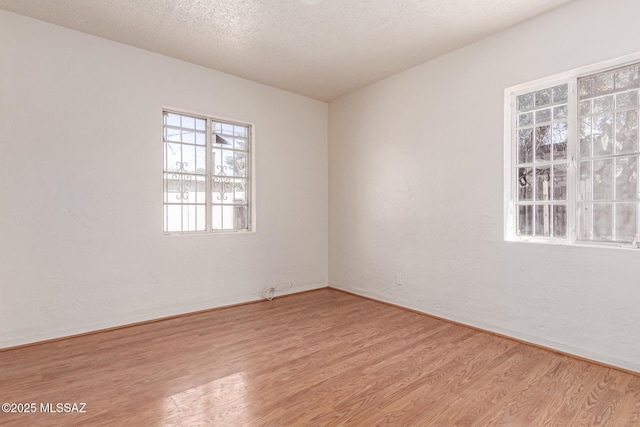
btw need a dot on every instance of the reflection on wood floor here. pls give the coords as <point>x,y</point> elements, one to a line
<point>316,358</point>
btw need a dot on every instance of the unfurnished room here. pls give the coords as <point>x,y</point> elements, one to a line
<point>319,213</point>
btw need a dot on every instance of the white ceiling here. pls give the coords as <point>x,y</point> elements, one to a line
<point>319,48</point>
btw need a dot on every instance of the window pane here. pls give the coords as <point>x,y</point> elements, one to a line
<point>602,179</point>
<point>585,191</point>
<point>200,160</point>
<point>604,104</point>
<point>198,194</point>
<point>229,163</point>
<point>585,88</point>
<point>183,188</point>
<point>585,137</point>
<point>239,130</point>
<point>602,221</point>
<point>184,157</point>
<point>228,218</point>
<point>171,119</point>
<point>543,221</point>
<point>543,178</point>
<point>525,119</point>
<point>188,122</point>
<point>240,164</point>
<point>216,217</point>
<point>626,78</point>
<point>221,187</point>
<point>543,116</point>
<point>585,221</point>
<point>525,146</point>
<point>560,113</point>
<point>228,186</point>
<point>525,102</point>
<point>240,220</point>
<point>189,218</point>
<point>216,161</point>
<point>525,184</point>
<point>626,222</point>
<point>193,218</point>
<point>227,129</point>
<point>226,165</point>
<point>560,93</point>
<point>627,100</point>
<point>603,83</point>
<point>172,157</point>
<point>559,138</point>
<point>559,220</point>
<point>240,191</point>
<point>627,132</point>
<point>542,97</point>
<point>202,217</point>
<point>173,218</point>
<point>543,143</point>
<point>188,158</point>
<point>585,107</point>
<point>223,161</point>
<point>525,221</point>
<point>560,181</point>
<point>229,190</point>
<point>188,137</point>
<point>171,134</point>
<point>602,135</point>
<point>626,178</point>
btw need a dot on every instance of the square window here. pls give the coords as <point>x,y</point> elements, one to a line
<point>207,180</point>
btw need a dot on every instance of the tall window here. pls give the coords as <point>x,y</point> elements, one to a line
<point>571,170</point>
<point>541,162</point>
<point>608,154</point>
<point>207,182</point>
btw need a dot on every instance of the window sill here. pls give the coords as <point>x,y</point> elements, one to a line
<point>581,244</point>
<point>209,233</point>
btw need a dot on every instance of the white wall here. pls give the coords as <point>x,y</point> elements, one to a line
<point>81,244</point>
<point>416,186</point>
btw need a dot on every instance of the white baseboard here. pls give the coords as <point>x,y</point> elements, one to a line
<point>148,316</point>
<point>534,340</point>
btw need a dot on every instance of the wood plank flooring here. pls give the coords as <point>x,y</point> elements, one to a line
<point>312,359</point>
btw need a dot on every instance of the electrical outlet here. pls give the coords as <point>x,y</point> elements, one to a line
<point>399,279</point>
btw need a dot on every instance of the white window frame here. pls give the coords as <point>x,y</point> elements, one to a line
<point>251,203</point>
<point>510,111</point>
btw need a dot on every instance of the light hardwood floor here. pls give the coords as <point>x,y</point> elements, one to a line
<point>316,358</point>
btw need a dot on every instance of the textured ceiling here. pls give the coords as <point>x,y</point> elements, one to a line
<point>319,48</point>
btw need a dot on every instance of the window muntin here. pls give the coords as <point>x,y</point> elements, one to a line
<point>573,172</point>
<point>206,174</point>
